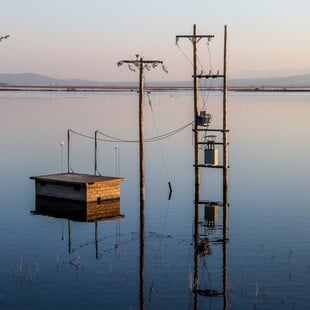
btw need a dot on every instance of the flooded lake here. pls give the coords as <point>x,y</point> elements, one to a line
<point>48,262</point>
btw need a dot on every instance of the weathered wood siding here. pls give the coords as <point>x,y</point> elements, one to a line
<point>103,190</point>
<point>61,190</point>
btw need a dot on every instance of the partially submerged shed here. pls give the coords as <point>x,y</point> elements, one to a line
<point>77,186</point>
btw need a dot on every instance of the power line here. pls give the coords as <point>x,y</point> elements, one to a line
<point>113,139</point>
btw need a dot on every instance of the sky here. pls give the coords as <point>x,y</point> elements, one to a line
<point>86,38</point>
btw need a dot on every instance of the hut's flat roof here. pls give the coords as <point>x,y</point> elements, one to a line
<point>74,178</point>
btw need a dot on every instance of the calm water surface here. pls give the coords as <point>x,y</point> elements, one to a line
<point>50,263</point>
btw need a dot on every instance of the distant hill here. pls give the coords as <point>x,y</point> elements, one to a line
<point>32,79</point>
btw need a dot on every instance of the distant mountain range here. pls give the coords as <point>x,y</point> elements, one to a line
<point>32,79</point>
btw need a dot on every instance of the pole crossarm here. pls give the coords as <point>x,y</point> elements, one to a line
<point>142,63</point>
<point>193,38</point>
<point>209,76</point>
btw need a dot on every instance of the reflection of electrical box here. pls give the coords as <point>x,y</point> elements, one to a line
<point>211,212</point>
<point>211,156</point>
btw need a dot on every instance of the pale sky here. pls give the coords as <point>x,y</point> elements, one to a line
<point>86,38</point>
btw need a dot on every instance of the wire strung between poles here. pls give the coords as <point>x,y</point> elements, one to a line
<point>115,139</point>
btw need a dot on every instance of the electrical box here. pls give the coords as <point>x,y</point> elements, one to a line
<point>204,119</point>
<point>211,157</point>
<point>211,154</point>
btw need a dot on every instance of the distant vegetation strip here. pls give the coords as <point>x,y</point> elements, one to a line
<point>117,88</point>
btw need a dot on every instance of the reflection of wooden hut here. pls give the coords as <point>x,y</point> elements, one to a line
<point>83,196</point>
<point>78,210</point>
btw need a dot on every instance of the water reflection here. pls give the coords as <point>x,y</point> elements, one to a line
<point>209,225</point>
<point>78,210</point>
<point>73,210</point>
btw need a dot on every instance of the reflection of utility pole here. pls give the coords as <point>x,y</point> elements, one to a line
<point>69,237</point>
<point>141,64</point>
<point>62,155</point>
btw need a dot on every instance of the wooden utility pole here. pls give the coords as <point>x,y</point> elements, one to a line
<point>141,134</point>
<point>141,64</point>
<point>196,134</point>
<point>68,150</point>
<point>225,140</point>
<point>225,167</point>
<point>194,38</point>
<point>225,170</point>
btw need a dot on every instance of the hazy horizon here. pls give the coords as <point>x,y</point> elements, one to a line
<point>85,40</point>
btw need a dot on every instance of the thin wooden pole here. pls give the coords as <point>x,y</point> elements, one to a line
<point>96,146</point>
<point>225,172</point>
<point>142,186</point>
<point>197,170</point>
<point>196,140</point>
<point>225,140</point>
<point>68,150</point>
<point>141,273</point>
<point>141,139</point>
<point>224,249</point>
<point>69,237</point>
<point>197,178</point>
<point>96,239</point>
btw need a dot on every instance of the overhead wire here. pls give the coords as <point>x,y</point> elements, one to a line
<point>206,89</point>
<point>206,94</point>
<point>183,53</point>
<point>120,140</point>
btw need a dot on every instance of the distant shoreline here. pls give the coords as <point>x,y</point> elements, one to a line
<point>150,88</point>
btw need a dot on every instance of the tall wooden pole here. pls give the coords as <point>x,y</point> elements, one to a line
<point>141,273</point>
<point>141,138</point>
<point>225,140</point>
<point>68,150</point>
<point>196,137</point>
<point>194,38</point>
<point>196,162</point>
<point>96,146</point>
<point>140,63</point>
<point>142,186</point>
<point>225,171</point>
